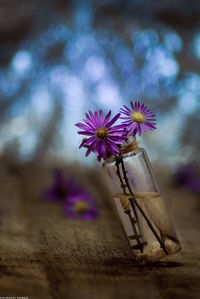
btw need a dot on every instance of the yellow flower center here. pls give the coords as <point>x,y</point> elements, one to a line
<point>138,117</point>
<point>101,133</point>
<point>81,207</point>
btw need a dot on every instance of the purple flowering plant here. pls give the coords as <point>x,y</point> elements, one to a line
<point>187,176</point>
<point>138,118</point>
<point>104,138</point>
<point>77,202</point>
<point>80,206</point>
<point>61,187</point>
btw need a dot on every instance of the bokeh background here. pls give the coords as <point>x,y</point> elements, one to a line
<point>60,58</point>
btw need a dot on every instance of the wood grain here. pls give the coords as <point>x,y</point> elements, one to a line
<point>44,255</point>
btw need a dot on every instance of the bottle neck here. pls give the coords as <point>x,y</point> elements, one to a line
<point>126,150</point>
<point>129,147</point>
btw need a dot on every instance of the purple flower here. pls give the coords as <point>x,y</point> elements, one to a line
<point>81,207</point>
<point>184,174</point>
<point>194,185</point>
<point>138,118</point>
<point>61,187</point>
<point>77,202</point>
<point>102,137</point>
<point>187,176</point>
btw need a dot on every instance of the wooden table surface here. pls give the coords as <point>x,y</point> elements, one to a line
<point>43,255</point>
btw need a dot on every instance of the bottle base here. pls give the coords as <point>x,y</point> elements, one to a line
<point>154,252</point>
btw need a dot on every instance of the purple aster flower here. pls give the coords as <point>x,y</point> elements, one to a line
<point>61,187</point>
<point>187,176</point>
<point>102,137</point>
<point>184,174</point>
<point>194,185</point>
<point>81,207</point>
<point>138,118</point>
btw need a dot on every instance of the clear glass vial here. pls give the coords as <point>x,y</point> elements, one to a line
<point>141,207</point>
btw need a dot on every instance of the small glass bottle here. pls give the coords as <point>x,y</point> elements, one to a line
<point>140,206</point>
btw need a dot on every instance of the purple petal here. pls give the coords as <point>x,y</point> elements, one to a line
<point>107,118</point>
<point>88,151</point>
<point>112,121</point>
<point>113,147</point>
<point>86,133</point>
<point>101,118</point>
<point>85,127</point>
<point>90,140</point>
<point>93,119</point>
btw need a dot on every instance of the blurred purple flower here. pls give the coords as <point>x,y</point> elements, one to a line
<point>194,185</point>
<point>77,202</point>
<point>186,175</point>
<point>103,138</point>
<point>138,118</point>
<point>80,206</point>
<point>61,187</point>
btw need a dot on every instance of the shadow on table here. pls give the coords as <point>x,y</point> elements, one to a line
<point>127,262</point>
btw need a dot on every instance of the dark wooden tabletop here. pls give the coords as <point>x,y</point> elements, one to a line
<point>43,255</point>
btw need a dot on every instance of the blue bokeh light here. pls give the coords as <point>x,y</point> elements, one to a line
<point>22,62</point>
<point>84,67</point>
